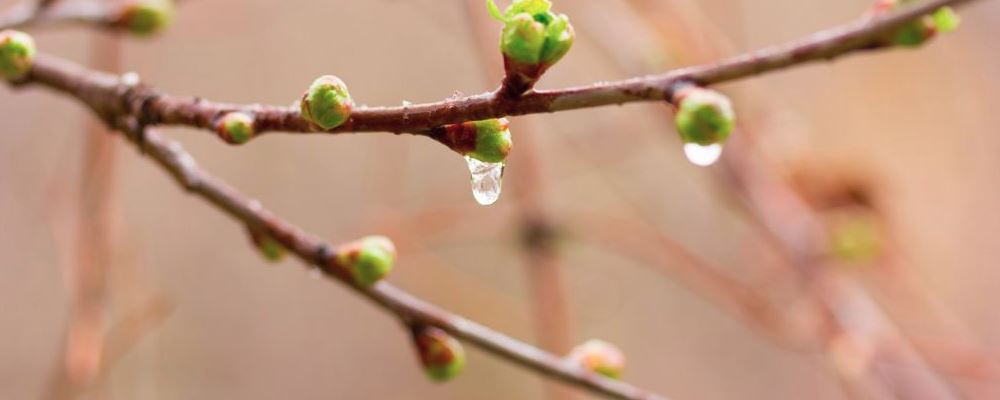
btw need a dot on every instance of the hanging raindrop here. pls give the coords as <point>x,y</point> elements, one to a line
<point>486,180</point>
<point>703,156</point>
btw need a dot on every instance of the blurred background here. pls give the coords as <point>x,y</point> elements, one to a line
<point>845,246</point>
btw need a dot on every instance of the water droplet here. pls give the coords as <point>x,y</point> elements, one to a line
<point>703,155</point>
<point>486,180</point>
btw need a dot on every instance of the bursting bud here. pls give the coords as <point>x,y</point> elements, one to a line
<point>533,38</point>
<point>703,116</point>
<point>368,260</point>
<point>267,245</point>
<point>146,17</point>
<point>17,52</point>
<point>441,355</point>
<point>916,33</point>
<point>488,140</point>
<point>600,357</point>
<point>235,127</point>
<point>327,104</point>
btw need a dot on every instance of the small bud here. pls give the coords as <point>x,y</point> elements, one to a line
<point>533,38</point>
<point>236,127</point>
<point>600,357</point>
<point>17,52</point>
<point>916,33</point>
<point>146,17</point>
<point>488,140</point>
<point>327,104</point>
<point>267,245</point>
<point>367,260</point>
<point>703,116</point>
<point>441,355</point>
<point>946,19</point>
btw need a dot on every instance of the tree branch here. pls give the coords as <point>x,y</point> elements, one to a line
<point>410,309</point>
<point>107,95</point>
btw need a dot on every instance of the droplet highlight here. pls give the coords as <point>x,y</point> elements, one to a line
<point>486,180</point>
<point>703,156</point>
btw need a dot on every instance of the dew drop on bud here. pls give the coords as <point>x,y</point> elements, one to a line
<point>486,180</point>
<point>703,156</point>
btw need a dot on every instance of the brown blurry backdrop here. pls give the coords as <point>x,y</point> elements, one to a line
<point>920,124</point>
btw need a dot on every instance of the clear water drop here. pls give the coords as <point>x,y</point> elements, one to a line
<point>703,156</point>
<point>486,180</point>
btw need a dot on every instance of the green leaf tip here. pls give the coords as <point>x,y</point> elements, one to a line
<point>367,260</point>
<point>17,53</point>
<point>599,357</point>
<point>703,116</point>
<point>327,103</point>
<point>441,355</point>
<point>146,17</point>
<point>236,127</point>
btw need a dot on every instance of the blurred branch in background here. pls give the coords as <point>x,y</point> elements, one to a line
<point>94,251</point>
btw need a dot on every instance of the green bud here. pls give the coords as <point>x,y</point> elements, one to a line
<point>533,36</point>
<point>703,116</point>
<point>146,17</point>
<point>523,39</point>
<point>488,140</point>
<point>270,248</point>
<point>913,34</point>
<point>236,127</point>
<point>916,33</point>
<point>367,260</point>
<point>327,104</point>
<point>493,141</point>
<point>946,19</point>
<point>17,52</point>
<point>559,38</point>
<point>441,355</point>
<point>600,357</point>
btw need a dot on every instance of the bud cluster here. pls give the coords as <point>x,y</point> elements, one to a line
<point>533,39</point>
